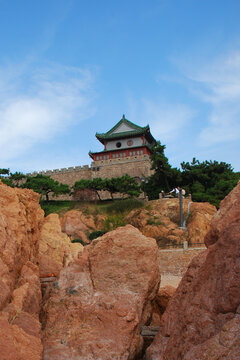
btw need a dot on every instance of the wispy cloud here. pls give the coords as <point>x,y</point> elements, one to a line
<point>167,120</point>
<point>36,103</point>
<point>218,84</point>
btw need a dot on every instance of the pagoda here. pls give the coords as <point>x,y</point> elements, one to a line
<point>124,141</point>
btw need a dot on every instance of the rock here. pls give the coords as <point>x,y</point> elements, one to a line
<point>202,320</point>
<point>20,297</point>
<point>76,225</point>
<point>98,303</point>
<point>160,304</point>
<point>228,212</point>
<point>162,221</point>
<point>154,224</point>
<point>56,249</point>
<point>198,223</point>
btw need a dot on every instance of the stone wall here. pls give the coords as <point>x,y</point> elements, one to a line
<point>135,166</point>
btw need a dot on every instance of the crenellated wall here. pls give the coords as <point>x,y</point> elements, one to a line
<point>138,166</point>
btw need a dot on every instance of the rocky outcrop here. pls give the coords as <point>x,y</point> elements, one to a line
<point>76,225</point>
<point>97,304</point>
<point>20,221</point>
<point>202,320</point>
<point>56,249</point>
<point>160,304</point>
<point>162,221</point>
<point>198,222</point>
<point>152,223</point>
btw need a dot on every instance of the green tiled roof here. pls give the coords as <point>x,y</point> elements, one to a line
<point>136,130</point>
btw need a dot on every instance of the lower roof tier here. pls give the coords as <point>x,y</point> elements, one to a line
<point>114,154</point>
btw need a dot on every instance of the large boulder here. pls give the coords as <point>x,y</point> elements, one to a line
<point>202,320</point>
<point>56,249</point>
<point>20,221</point>
<point>98,303</point>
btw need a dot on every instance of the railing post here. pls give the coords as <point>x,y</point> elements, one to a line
<point>181,208</point>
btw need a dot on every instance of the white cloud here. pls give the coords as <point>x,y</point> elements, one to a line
<point>38,103</point>
<point>167,121</point>
<point>219,85</point>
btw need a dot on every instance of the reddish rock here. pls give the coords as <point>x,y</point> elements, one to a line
<point>202,320</point>
<point>160,304</point>
<point>56,249</point>
<point>20,221</point>
<point>76,225</point>
<point>96,306</point>
<point>162,221</point>
<point>198,223</point>
<point>155,224</point>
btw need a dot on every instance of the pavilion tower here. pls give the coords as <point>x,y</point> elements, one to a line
<point>127,150</point>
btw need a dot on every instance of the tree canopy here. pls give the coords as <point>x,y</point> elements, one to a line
<point>208,180</point>
<point>165,177</point>
<point>124,185</point>
<point>45,185</point>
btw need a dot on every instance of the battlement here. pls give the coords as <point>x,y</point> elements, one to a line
<point>61,171</point>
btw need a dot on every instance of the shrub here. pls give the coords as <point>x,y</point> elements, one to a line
<point>95,234</point>
<point>78,241</point>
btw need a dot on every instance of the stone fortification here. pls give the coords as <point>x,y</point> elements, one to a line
<point>138,167</point>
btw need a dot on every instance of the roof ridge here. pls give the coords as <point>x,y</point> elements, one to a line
<point>122,121</point>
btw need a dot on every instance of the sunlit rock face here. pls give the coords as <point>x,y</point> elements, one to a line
<point>162,221</point>
<point>98,303</point>
<point>20,297</point>
<point>202,320</point>
<point>56,249</point>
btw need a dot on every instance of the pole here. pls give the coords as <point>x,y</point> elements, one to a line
<point>181,208</point>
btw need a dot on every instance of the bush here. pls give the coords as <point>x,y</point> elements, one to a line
<point>95,234</point>
<point>114,221</point>
<point>78,241</point>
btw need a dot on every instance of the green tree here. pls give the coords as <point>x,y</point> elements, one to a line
<point>208,180</point>
<point>4,172</point>
<point>165,176</point>
<point>97,184</point>
<point>124,185</point>
<point>45,185</point>
<point>17,178</point>
<point>127,185</point>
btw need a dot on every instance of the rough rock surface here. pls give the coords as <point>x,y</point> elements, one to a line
<point>202,320</point>
<point>56,249</point>
<point>162,221</point>
<point>20,296</point>
<point>198,223</point>
<point>75,224</point>
<point>97,304</point>
<point>160,304</point>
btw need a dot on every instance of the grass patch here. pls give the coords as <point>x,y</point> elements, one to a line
<point>123,206</point>
<point>56,206</point>
<point>113,221</point>
<point>151,221</point>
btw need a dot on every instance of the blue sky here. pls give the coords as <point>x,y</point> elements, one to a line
<point>71,68</point>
